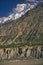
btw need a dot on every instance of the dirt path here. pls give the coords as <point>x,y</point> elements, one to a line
<point>24,62</point>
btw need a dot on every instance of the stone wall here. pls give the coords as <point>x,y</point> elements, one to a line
<point>22,52</point>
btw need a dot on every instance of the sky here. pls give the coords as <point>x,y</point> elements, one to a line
<point>7,6</point>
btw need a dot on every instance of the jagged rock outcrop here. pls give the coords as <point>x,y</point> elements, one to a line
<point>22,52</point>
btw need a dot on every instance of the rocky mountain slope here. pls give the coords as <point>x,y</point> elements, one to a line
<point>28,29</point>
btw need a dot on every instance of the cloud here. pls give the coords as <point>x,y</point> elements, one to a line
<point>20,7</point>
<point>19,10</point>
<point>23,7</point>
<point>31,0</point>
<point>35,0</point>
